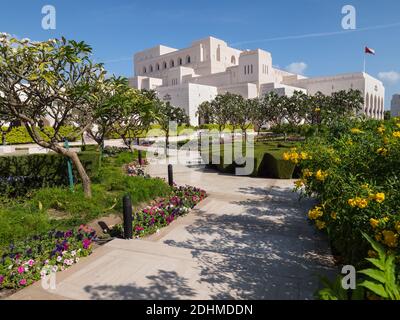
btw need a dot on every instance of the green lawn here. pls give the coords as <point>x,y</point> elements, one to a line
<point>57,207</point>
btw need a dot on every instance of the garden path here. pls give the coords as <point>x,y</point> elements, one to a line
<point>248,240</point>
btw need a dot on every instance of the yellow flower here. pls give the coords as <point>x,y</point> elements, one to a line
<point>352,202</point>
<point>334,215</point>
<point>381,129</point>
<point>378,236</point>
<point>317,109</point>
<point>362,203</point>
<point>396,134</point>
<point>299,183</point>
<point>350,142</point>
<point>379,197</point>
<point>390,238</point>
<point>365,186</point>
<point>398,124</point>
<point>315,213</point>
<point>373,222</point>
<point>320,224</point>
<point>382,151</point>
<point>356,130</point>
<point>286,156</point>
<point>321,175</point>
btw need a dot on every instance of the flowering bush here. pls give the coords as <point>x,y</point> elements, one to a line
<point>25,262</point>
<point>163,212</point>
<point>354,171</point>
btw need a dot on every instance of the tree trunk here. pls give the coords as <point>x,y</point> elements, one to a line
<point>86,183</point>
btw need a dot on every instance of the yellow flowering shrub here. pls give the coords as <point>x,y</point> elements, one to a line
<point>354,171</point>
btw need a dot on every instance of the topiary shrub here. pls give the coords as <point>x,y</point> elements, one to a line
<point>272,166</point>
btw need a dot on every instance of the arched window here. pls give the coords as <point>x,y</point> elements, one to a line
<point>187,59</point>
<point>180,62</point>
<point>233,60</point>
<point>151,68</point>
<point>157,66</point>
<point>172,64</point>
<point>164,65</point>
<point>144,70</point>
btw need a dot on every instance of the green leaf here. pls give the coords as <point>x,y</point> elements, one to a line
<point>376,288</point>
<point>374,274</point>
<point>377,262</point>
<point>377,247</point>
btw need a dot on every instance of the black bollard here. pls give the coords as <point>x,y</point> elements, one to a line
<point>140,157</point>
<point>128,226</point>
<point>170,175</point>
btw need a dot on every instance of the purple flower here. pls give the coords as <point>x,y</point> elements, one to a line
<point>1,279</point>
<point>68,234</point>
<point>86,243</point>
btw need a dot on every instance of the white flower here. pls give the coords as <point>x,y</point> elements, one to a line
<point>46,262</point>
<point>64,252</point>
<point>76,259</point>
<point>73,253</point>
<point>158,231</point>
<point>55,268</point>
<point>25,40</point>
<point>59,259</point>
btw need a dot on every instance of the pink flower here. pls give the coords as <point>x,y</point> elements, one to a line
<point>22,282</point>
<point>31,262</point>
<point>21,269</point>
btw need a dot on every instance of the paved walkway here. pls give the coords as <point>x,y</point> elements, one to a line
<point>248,240</point>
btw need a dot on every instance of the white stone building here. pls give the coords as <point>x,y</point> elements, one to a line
<point>187,77</point>
<point>395,105</point>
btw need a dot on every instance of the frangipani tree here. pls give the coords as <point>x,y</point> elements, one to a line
<point>165,112</point>
<point>134,112</point>
<point>105,105</point>
<point>51,80</point>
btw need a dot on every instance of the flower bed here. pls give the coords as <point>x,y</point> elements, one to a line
<point>163,212</point>
<point>28,261</point>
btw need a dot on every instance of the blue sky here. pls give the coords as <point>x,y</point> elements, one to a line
<point>116,29</point>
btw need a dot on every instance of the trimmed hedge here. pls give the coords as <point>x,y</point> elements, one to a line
<point>22,173</point>
<point>267,161</point>
<point>19,135</point>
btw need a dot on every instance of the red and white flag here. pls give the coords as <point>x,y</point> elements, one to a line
<point>369,50</point>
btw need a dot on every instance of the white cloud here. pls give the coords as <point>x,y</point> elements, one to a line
<point>297,67</point>
<point>391,77</point>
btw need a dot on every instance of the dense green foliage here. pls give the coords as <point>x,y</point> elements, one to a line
<point>19,135</point>
<point>23,173</point>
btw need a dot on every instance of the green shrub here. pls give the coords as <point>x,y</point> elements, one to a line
<point>22,173</point>
<point>267,160</point>
<point>19,135</point>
